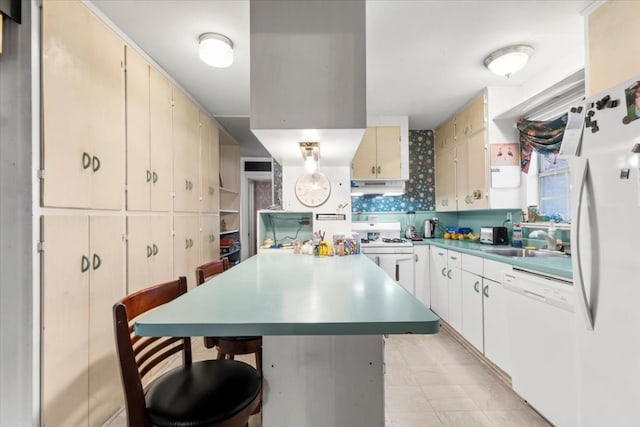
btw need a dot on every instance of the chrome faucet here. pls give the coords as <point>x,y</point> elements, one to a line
<point>549,235</point>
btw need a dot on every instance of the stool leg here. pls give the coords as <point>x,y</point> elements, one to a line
<point>259,360</point>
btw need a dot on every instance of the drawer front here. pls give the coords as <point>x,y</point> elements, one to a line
<point>494,270</point>
<point>472,264</point>
<point>454,259</point>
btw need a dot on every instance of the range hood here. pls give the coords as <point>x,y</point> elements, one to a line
<point>308,78</point>
<point>379,188</point>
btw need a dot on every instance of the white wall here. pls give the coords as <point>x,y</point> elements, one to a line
<point>339,176</point>
<point>18,294</point>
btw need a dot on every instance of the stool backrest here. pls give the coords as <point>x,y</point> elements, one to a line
<point>139,355</point>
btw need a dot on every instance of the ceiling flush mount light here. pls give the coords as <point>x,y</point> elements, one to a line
<point>311,155</point>
<point>216,50</point>
<point>508,60</point>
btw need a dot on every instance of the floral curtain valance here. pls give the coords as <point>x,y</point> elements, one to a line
<point>543,137</point>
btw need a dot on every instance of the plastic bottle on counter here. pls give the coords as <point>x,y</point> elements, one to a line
<point>516,238</point>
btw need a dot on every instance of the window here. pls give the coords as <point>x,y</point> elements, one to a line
<point>554,183</point>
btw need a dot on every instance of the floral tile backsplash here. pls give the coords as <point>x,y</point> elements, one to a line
<point>421,190</point>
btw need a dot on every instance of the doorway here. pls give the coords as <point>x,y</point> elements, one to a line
<point>256,193</point>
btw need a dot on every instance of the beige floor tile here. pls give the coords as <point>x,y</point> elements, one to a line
<point>443,391</point>
<point>464,419</point>
<point>453,404</point>
<point>526,418</point>
<point>415,419</point>
<point>494,396</point>
<point>405,399</point>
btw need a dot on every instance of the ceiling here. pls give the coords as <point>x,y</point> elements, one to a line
<point>424,57</point>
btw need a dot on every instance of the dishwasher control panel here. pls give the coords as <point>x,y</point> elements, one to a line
<point>545,289</point>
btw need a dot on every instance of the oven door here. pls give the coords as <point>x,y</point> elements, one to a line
<point>398,266</point>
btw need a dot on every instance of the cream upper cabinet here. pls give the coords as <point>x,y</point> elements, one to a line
<point>210,164</point>
<point>379,154</point>
<point>83,109</point>
<point>82,270</point>
<point>149,116</point>
<point>149,251</point>
<point>461,161</point>
<point>186,154</point>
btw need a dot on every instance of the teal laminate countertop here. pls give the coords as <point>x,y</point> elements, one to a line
<point>556,266</point>
<point>291,294</point>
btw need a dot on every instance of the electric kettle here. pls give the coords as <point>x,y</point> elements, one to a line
<point>430,228</point>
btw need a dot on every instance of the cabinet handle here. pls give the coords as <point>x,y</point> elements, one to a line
<point>155,177</point>
<point>186,184</point>
<point>379,170</point>
<point>85,264</point>
<point>449,274</point>
<point>373,169</point>
<point>86,160</point>
<point>485,291</point>
<point>443,273</point>
<point>148,175</point>
<point>97,262</point>
<point>155,249</point>
<point>416,255</point>
<point>475,287</point>
<point>212,238</point>
<point>96,163</point>
<point>149,251</point>
<point>211,190</point>
<point>186,244</point>
<point>397,273</point>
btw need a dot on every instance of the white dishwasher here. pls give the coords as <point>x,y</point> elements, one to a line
<point>542,344</point>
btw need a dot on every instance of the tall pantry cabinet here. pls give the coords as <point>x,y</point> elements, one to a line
<point>129,198</point>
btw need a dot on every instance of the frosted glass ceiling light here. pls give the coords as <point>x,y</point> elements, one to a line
<point>508,60</point>
<point>216,50</point>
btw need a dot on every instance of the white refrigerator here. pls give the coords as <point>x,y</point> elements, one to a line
<point>605,240</point>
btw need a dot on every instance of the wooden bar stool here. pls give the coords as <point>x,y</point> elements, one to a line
<point>228,347</point>
<point>206,393</point>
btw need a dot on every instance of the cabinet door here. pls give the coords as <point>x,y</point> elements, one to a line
<point>364,160</point>
<point>476,167</point>
<point>139,174</point>
<point>446,181</point>
<point>186,247</point>
<point>186,154</point>
<point>422,278</point>
<point>439,283</point>
<point>388,152</point>
<point>496,345</point>
<point>160,139</point>
<point>475,117</point>
<point>463,202</point>
<point>454,274</point>
<point>210,225</point>
<point>65,326</point>
<point>209,145</point>
<point>106,286</point>
<point>149,249</point>
<point>83,105</point>
<point>230,168</point>
<point>472,319</point>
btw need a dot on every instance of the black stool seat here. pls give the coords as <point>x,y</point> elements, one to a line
<point>238,338</point>
<point>202,394</point>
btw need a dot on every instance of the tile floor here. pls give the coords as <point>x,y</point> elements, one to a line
<point>432,380</point>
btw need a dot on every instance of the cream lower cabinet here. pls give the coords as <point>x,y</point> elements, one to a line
<point>472,314</point>
<point>149,251</point>
<point>186,247</point>
<point>210,240</point>
<point>446,286</point>
<point>83,109</point>
<point>83,267</point>
<point>496,321</point>
<point>149,110</point>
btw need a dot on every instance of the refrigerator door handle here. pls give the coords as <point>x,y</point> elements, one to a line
<point>583,302</point>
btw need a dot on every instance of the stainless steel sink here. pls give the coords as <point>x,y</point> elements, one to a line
<point>523,253</point>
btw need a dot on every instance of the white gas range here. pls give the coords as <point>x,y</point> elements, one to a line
<point>381,242</point>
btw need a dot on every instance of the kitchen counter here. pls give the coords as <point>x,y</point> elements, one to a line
<point>557,266</point>
<point>322,321</point>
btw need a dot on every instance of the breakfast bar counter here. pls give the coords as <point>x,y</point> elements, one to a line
<point>322,319</point>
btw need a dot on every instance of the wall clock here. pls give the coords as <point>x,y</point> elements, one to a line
<point>313,189</point>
